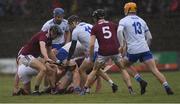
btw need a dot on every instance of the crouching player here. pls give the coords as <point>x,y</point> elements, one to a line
<point>67,55</point>
<point>29,63</point>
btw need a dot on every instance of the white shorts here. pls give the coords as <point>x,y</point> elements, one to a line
<point>25,59</point>
<point>26,73</point>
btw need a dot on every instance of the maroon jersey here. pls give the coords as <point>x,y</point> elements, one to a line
<point>33,46</point>
<point>106,34</point>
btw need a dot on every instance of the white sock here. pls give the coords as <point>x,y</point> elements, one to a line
<point>165,84</point>
<point>110,82</point>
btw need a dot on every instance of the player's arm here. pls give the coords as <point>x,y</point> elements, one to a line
<point>51,53</point>
<point>148,37</point>
<point>91,46</point>
<point>73,44</point>
<point>67,36</point>
<point>44,50</point>
<point>72,49</point>
<point>121,37</point>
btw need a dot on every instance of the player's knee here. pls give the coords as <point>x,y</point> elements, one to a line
<point>81,71</point>
<point>43,68</point>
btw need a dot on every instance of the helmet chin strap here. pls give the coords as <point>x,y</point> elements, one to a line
<point>127,12</point>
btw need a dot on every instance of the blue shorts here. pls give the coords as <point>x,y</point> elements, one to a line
<point>62,54</point>
<point>57,46</point>
<point>140,56</point>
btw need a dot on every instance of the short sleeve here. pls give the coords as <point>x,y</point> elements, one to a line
<point>122,23</point>
<point>67,28</point>
<point>146,28</point>
<point>93,31</point>
<point>42,36</point>
<point>45,27</point>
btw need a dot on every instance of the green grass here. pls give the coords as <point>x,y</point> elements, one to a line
<point>155,92</point>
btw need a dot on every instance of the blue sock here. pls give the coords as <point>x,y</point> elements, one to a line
<point>138,78</point>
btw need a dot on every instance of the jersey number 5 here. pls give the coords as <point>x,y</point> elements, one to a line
<point>137,27</point>
<point>107,33</point>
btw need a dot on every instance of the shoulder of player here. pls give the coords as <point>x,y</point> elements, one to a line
<point>113,23</point>
<point>49,22</point>
<point>42,34</point>
<point>65,21</point>
<point>95,25</point>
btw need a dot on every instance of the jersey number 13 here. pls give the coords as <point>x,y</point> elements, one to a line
<point>137,27</point>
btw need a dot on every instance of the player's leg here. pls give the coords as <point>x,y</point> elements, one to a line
<point>86,65</point>
<point>98,84</point>
<point>108,79</point>
<point>98,81</point>
<point>16,89</point>
<point>76,81</point>
<point>64,82</point>
<point>25,73</point>
<point>117,59</point>
<point>39,66</point>
<point>150,63</point>
<point>16,85</point>
<point>128,61</point>
<point>51,76</point>
<point>92,75</point>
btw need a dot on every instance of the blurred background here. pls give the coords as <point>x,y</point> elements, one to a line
<point>20,19</point>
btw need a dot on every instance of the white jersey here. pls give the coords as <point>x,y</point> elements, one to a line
<point>134,33</point>
<point>79,50</point>
<point>82,33</point>
<point>64,27</point>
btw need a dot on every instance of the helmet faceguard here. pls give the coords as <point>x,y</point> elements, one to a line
<point>73,21</point>
<point>73,18</point>
<point>58,14</point>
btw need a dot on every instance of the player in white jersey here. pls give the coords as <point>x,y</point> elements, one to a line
<point>58,14</point>
<point>136,34</point>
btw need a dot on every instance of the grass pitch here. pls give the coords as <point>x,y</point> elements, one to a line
<point>155,92</point>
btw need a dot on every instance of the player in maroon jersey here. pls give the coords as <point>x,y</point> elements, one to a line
<point>106,34</point>
<point>29,61</point>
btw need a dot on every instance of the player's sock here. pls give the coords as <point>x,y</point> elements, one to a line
<point>167,88</point>
<point>53,90</point>
<point>114,88</point>
<point>138,78</point>
<point>77,90</point>
<point>83,92</point>
<point>131,91</point>
<point>36,91</point>
<point>165,85</point>
<point>110,82</point>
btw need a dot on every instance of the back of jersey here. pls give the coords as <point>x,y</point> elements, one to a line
<point>134,32</point>
<point>82,34</point>
<point>106,34</point>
